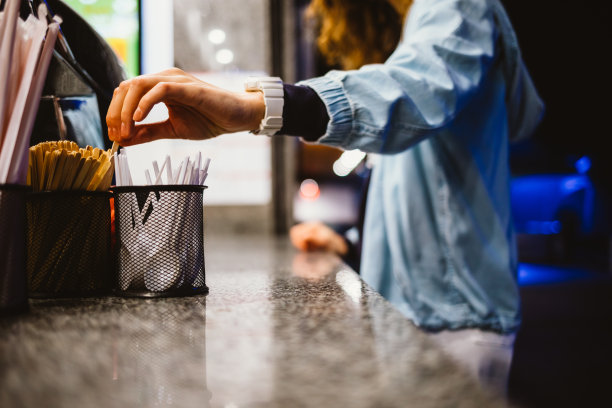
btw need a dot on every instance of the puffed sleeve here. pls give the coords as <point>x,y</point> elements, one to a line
<point>447,49</point>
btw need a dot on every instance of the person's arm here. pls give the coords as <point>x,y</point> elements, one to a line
<point>196,109</point>
<point>448,48</point>
<point>446,53</point>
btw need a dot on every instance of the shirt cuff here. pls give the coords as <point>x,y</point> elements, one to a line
<point>304,113</point>
<point>329,89</point>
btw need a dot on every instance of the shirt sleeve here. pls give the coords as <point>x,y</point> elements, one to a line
<point>447,49</point>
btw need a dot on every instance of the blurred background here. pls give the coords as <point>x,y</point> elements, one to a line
<point>561,187</point>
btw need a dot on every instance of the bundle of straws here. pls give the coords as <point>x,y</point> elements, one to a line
<point>62,165</point>
<point>160,231</point>
<point>68,235</point>
<point>26,48</point>
<point>190,171</point>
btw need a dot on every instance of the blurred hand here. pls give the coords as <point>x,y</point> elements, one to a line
<point>196,109</point>
<point>316,236</point>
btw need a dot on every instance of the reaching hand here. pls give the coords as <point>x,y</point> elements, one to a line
<point>316,236</point>
<point>196,109</point>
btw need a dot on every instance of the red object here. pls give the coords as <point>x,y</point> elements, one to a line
<point>112,214</point>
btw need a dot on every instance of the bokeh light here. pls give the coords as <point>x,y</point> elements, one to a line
<point>309,189</point>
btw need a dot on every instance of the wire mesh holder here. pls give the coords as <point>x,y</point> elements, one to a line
<point>69,244</point>
<point>13,287</point>
<point>160,240</point>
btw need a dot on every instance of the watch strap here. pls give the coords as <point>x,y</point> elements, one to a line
<point>272,89</point>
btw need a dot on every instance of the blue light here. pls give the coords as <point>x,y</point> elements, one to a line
<point>538,201</point>
<point>555,227</point>
<point>583,165</point>
<point>532,274</point>
<point>572,184</point>
<point>542,227</point>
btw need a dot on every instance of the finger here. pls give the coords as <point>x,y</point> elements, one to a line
<point>162,91</point>
<point>137,87</point>
<point>125,100</point>
<point>113,114</point>
<point>175,72</point>
<point>147,133</point>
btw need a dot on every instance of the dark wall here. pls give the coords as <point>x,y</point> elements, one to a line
<point>565,45</point>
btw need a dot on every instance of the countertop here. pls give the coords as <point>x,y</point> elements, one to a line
<point>278,329</point>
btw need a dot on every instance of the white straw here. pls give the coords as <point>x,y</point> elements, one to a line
<point>122,166</point>
<point>169,178</point>
<point>195,176</point>
<point>158,177</point>
<point>206,163</point>
<point>187,175</point>
<point>177,176</point>
<point>129,174</point>
<point>199,161</point>
<point>118,179</point>
<point>155,169</point>
<point>126,169</point>
<point>14,149</point>
<point>10,16</point>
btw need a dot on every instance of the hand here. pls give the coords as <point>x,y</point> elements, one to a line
<point>196,109</point>
<point>316,236</point>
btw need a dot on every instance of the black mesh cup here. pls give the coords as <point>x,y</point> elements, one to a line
<point>13,294</point>
<point>160,240</point>
<point>68,244</point>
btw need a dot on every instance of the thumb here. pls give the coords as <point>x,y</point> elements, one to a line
<point>148,132</point>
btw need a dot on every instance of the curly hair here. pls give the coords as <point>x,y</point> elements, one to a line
<point>352,33</point>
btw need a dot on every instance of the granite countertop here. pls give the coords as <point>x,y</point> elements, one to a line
<point>278,329</point>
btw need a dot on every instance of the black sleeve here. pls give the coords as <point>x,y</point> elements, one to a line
<point>304,113</point>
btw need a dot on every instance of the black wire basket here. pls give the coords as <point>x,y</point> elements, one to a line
<point>69,244</point>
<point>13,293</point>
<point>160,240</point>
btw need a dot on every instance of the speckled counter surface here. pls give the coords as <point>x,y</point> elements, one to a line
<point>278,329</point>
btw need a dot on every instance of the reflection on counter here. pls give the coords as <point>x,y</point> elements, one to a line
<point>158,363</point>
<point>106,352</point>
<point>278,329</point>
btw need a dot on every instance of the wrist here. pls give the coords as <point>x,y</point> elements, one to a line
<point>256,110</point>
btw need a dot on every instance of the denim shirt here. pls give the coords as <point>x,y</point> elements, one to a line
<point>438,237</point>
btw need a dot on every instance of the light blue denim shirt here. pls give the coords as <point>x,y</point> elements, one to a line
<point>438,236</point>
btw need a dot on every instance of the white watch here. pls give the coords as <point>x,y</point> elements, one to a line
<point>272,88</point>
